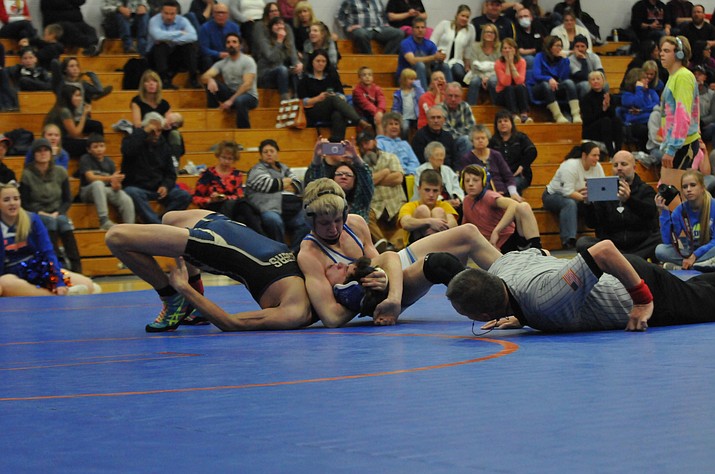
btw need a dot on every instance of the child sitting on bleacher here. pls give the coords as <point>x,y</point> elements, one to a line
<point>101,183</point>
<point>369,99</point>
<point>28,75</point>
<point>48,47</point>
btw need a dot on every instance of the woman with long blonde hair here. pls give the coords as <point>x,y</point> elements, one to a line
<point>482,57</point>
<point>149,98</point>
<point>454,38</point>
<point>28,263</point>
<point>688,232</point>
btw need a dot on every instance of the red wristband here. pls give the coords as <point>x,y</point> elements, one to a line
<point>640,294</point>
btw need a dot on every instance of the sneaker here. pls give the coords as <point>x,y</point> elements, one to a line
<point>516,119</point>
<point>526,119</point>
<point>174,311</point>
<point>108,224</point>
<point>671,266</point>
<point>706,266</point>
<point>123,125</point>
<point>103,93</point>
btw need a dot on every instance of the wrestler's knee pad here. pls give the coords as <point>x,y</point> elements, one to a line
<point>441,267</point>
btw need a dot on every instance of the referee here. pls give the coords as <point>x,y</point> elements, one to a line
<point>599,289</point>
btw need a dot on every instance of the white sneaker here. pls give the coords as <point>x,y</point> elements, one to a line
<point>96,288</point>
<point>671,266</point>
<point>705,266</point>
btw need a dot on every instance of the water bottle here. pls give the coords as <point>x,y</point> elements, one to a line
<point>615,35</point>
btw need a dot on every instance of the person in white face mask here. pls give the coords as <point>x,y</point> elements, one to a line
<point>530,34</point>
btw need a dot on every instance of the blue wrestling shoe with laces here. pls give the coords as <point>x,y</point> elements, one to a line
<point>195,319</point>
<point>174,311</point>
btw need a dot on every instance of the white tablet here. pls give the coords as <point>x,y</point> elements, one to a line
<point>602,189</point>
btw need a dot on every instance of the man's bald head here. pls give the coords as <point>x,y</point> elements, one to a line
<point>625,155</point>
<point>624,165</point>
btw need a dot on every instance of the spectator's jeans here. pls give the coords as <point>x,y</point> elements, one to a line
<point>475,86</point>
<point>422,70</point>
<point>176,200</point>
<point>275,228</point>
<point>387,36</point>
<point>277,78</point>
<point>242,104</point>
<point>567,210</point>
<point>59,224</point>
<point>141,25</point>
<point>542,91</point>
<point>101,194</point>
<point>666,253</point>
<point>515,98</point>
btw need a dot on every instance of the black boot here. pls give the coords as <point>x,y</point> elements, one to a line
<point>72,251</point>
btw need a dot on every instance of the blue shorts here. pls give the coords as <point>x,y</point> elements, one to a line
<point>221,246</point>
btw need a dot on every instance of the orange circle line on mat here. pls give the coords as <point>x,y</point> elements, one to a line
<point>507,348</point>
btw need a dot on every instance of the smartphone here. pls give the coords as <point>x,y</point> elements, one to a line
<point>332,148</point>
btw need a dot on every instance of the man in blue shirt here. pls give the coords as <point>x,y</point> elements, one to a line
<point>212,36</point>
<point>419,53</point>
<point>172,44</point>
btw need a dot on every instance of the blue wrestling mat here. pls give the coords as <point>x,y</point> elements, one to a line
<point>85,389</point>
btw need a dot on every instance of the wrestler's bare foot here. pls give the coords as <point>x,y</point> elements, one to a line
<point>384,321</point>
<point>386,313</point>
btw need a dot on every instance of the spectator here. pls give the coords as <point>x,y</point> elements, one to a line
<point>405,100</point>
<point>74,130</point>
<point>149,98</point>
<point>6,174</point>
<point>237,89</point>
<point>246,13</point>
<point>459,119</point>
<point>515,147</point>
<point>322,93</point>
<point>434,132</point>
<point>30,266</point>
<point>455,38</point>
<point>631,223</point>
<point>220,188</point>
<point>600,122</point>
<point>582,18</point>
<point>688,233</point>
<point>482,57</point>
<point>48,47</point>
<point>392,143</point>
<point>212,36</point>
<point>351,173</point>
<point>77,33</point>
<point>363,21</point>
<point>149,170</point>
<point>550,81</point>
<point>647,51</point>
<point>566,194</point>
<point>648,20</point>
<point>303,19</point>
<point>387,177</point>
<point>101,184</point>
<point>451,190</point>
<point>502,178</point>
<point>59,156</point>
<point>420,54</point>
<point>707,105</point>
<point>16,22</point>
<point>277,58</point>
<point>492,15</point>
<point>123,18</point>
<point>582,63</point>
<point>401,14</point>
<point>28,75</point>
<point>434,96</point>
<point>199,12</point>
<point>319,38</point>
<point>678,14</point>
<point>569,31</point>
<point>275,191</point>
<point>508,225</point>
<point>510,88</point>
<point>69,72</point>
<point>172,45</point>
<point>287,8</point>
<point>427,215</point>
<point>637,102</point>
<point>369,99</point>
<point>45,191</point>
<point>698,31</point>
<point>530,34</point>
<point>652,76</point>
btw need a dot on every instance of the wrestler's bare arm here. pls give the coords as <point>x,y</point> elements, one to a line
<point>293,311</point>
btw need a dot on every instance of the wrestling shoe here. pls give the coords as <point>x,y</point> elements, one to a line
<point>174,311</point>
<point>195,319</point>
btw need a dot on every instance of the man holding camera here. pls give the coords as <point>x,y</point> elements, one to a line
<point>631,222</point>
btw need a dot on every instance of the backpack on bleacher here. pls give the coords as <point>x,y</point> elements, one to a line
<point>21,141</point>
<point>133,70</point>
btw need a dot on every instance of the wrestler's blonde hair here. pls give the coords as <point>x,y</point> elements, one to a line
<point>324,197</point>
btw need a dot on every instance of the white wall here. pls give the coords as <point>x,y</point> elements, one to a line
<point>608,14</point>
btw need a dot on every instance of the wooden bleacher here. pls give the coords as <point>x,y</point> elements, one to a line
<point>206,127</point>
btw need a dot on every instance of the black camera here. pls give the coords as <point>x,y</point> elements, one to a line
<point>668,192</point>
